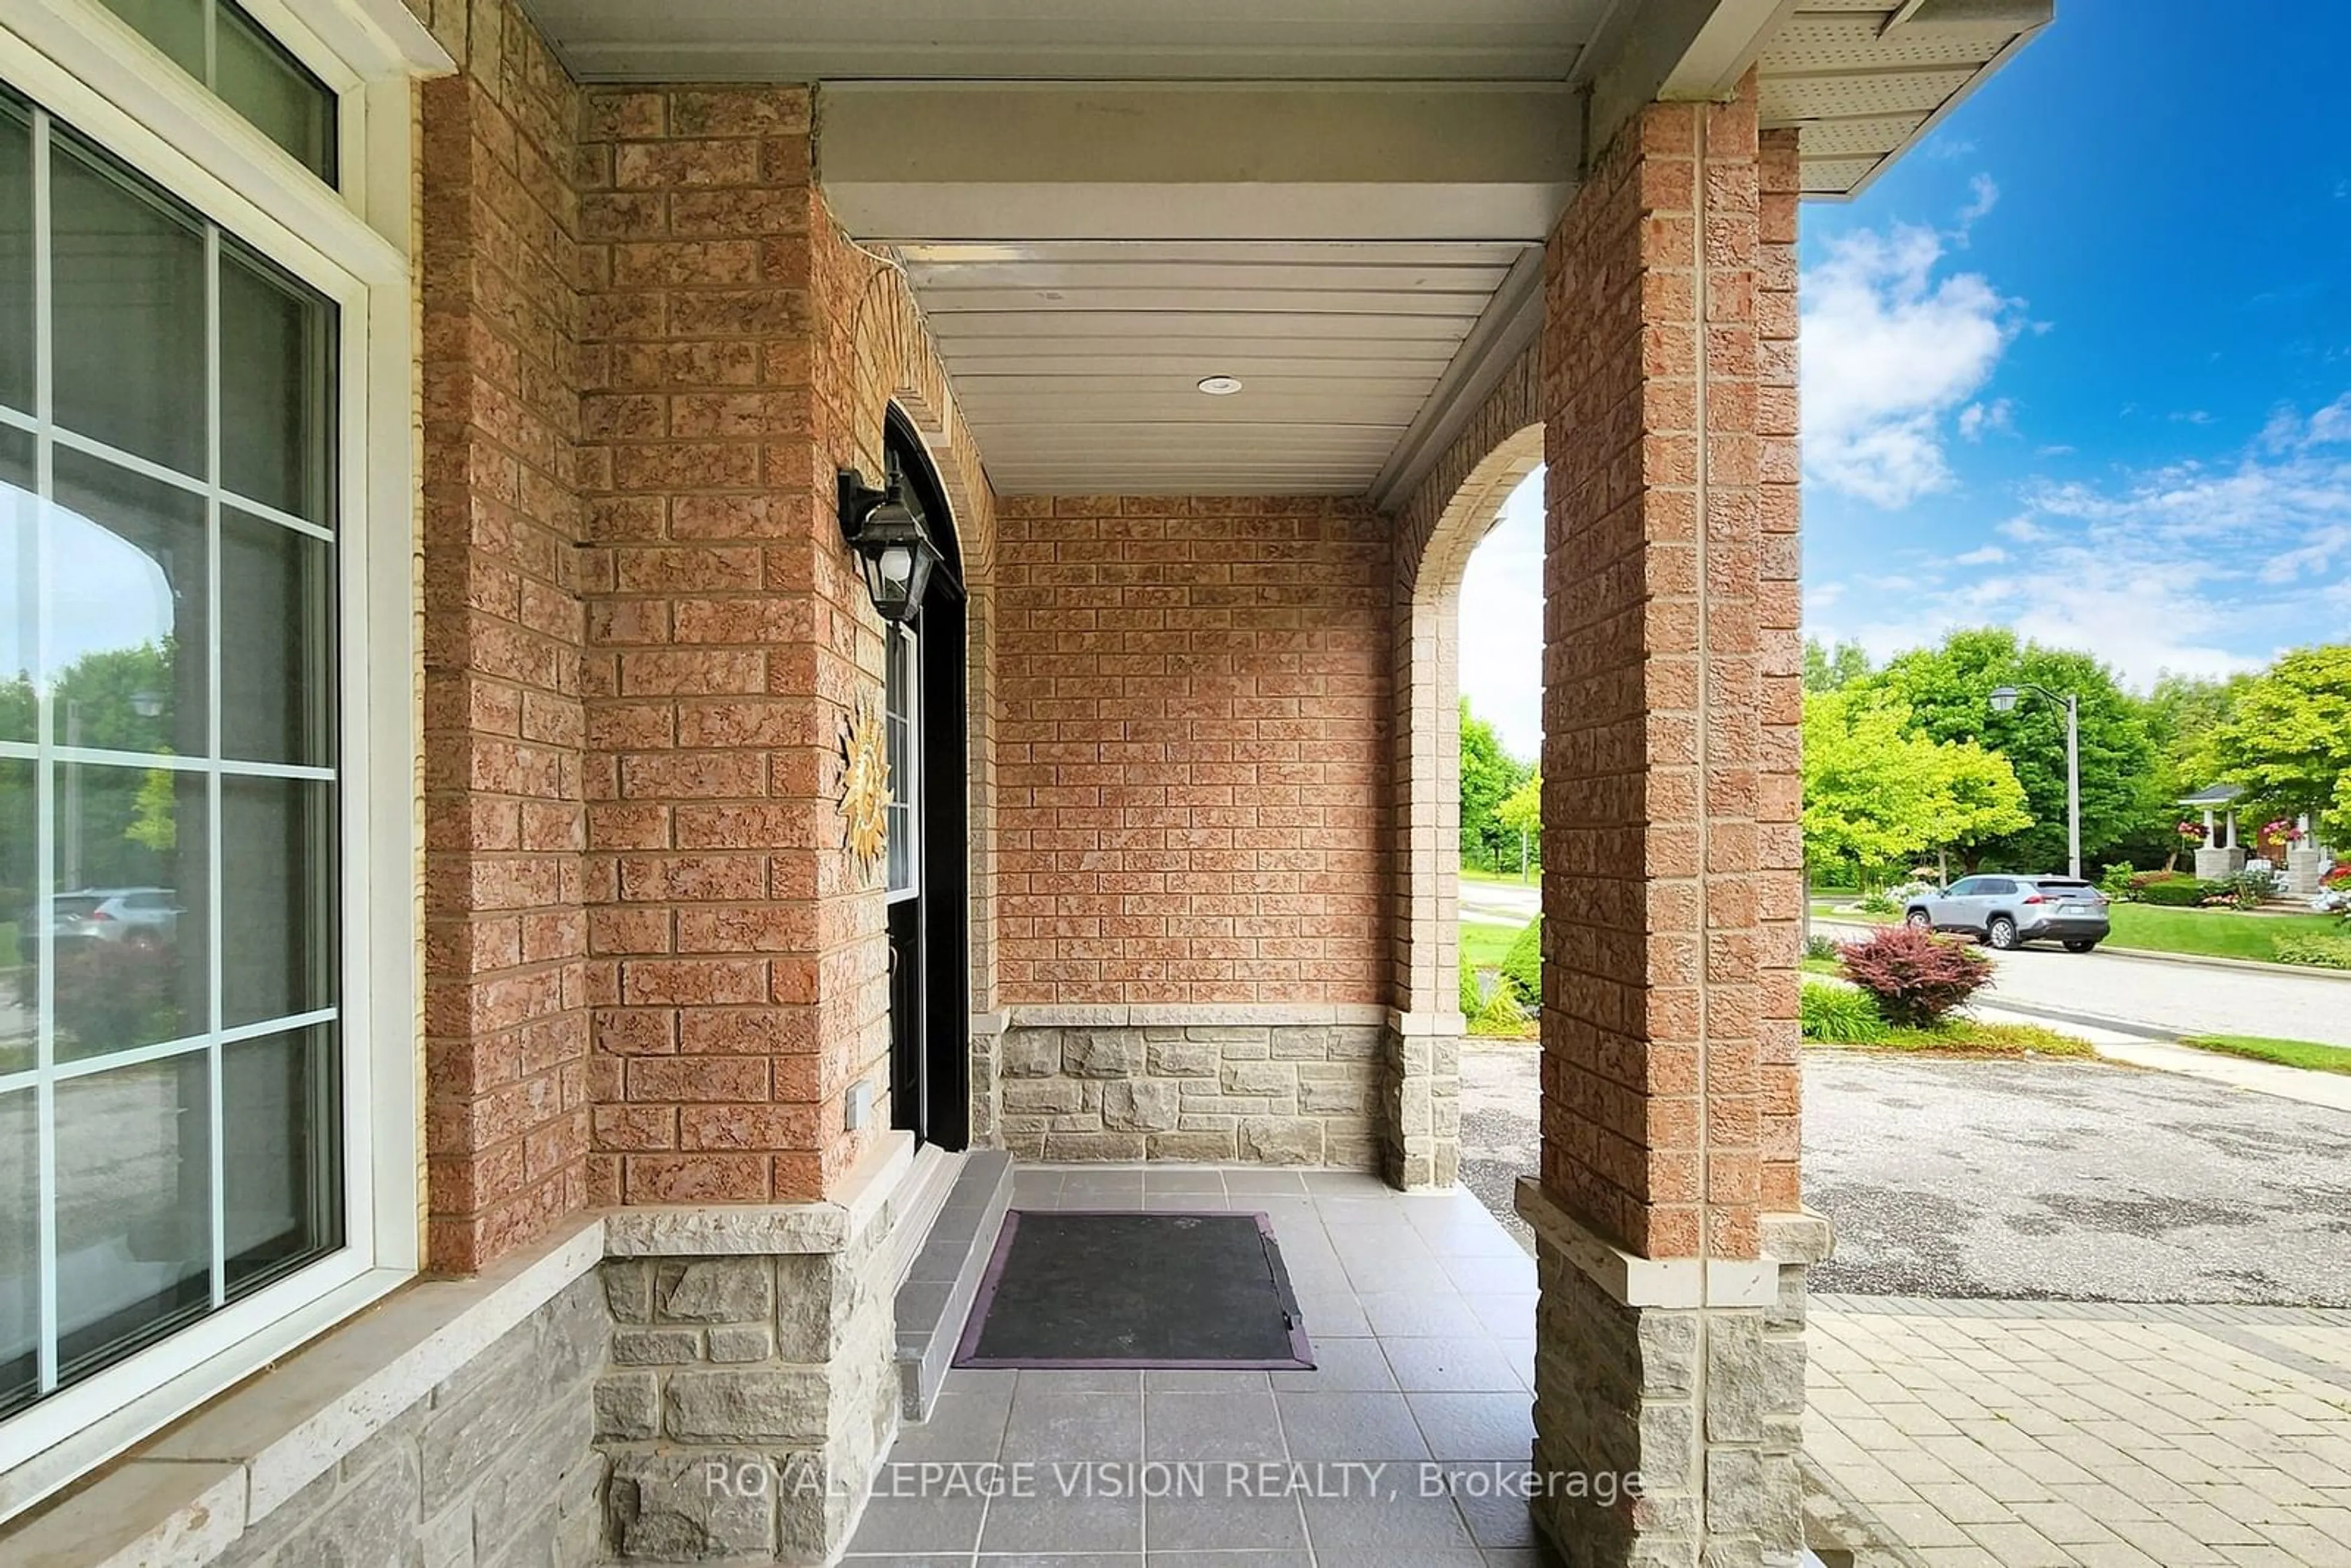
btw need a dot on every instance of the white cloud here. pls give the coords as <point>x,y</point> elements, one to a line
<point>2332,423</point>
<point>1978,417</point>
<point>2193,566</point>
<point>1986,197</point>
<point>1890,352</point>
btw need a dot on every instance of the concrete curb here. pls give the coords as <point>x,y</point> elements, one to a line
<point>2242,966</point>
<point>2086,1021</point>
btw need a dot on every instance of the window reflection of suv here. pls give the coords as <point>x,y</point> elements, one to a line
<point>2010,911</point>
<point>136,917</point>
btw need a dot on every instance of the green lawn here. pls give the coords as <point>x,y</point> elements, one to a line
<point>2210,933</point>
<point>1483,946</point>
<point>1966,1037</point>
<point>2303,1053</point>
<point>1822,966</point>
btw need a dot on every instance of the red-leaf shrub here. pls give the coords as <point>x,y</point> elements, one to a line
<point>1916,976</point>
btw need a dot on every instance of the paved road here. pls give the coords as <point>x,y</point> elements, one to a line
<point>2040,1180</point>
<point>1499,903</point>
<point>2182,999</point>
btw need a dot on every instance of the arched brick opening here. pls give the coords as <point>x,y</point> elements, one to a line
<point>1449,512</point>
<point>895,366</point>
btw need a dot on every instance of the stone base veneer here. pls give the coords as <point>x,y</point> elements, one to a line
<point>753,1384</point>
<point>449,1423</point>
<point>1687,1374</point>
<point>2217,865</point>
<point>987,1100</point>
<point>492,1467</point>
<point>1423,1088</point>
<point>1285,1086</point>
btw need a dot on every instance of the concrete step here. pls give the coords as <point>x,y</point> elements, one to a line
<point>935,1298</point>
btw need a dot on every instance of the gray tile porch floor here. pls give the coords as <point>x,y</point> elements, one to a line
<point>1421,1313</point>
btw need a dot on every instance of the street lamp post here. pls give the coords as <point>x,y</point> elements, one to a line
<point>2004,700</point>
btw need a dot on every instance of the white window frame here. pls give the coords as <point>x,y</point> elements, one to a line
<point>87,67</point>
<point>898,635</point>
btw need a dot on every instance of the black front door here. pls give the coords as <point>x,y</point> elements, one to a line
<point>928,884</point>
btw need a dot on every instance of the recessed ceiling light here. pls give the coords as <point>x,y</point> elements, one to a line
<point>1221,386</point>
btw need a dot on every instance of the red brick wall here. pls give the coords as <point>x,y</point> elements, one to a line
<point>1192,750</point>
<point>1666,823</point>
<point>506,1117</point>
<point>738,352</point>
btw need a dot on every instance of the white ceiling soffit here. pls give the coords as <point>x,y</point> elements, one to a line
<point>1079,362</point>
<point>1087,255</point>
<point>1865,79</point>
<point>1205,40</point>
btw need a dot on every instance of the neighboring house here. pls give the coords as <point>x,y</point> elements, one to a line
<point>468,409</point>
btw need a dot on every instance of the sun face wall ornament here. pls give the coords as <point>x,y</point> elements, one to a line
<point>864,786</point>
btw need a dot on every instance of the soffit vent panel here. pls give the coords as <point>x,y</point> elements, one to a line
<point>1865,79</point>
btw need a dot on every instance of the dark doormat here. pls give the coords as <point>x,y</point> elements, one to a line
<point>1081,1288</point>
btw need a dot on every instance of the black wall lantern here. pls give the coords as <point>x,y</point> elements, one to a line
<point>895,552</point>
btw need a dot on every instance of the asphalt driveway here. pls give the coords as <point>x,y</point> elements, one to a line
<point>2082,1181</point>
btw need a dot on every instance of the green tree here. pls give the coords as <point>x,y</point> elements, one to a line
<point>2182,713</point>
<point>156,823</point>
<point>1948,693</point>
<point>1489,774</point>
<point>19,720</point>
<point>115,699</point>
<point>1878,792</point>
<point>1829,669</point>
<point>1520,812</point>
<point>2288,740</point>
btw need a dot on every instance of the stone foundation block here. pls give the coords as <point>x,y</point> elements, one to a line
<point>1279,1094</point>
<point>745,1418</point>
<point>1695,1387</point>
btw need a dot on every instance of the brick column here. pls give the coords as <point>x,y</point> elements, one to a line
<point>735,979</point>
<point>1670,1319</point>
<point>505,1022</point>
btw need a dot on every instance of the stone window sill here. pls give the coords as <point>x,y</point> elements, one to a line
<point>184,1497</point>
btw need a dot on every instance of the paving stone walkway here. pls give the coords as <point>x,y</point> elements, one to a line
<point>1977,1434</point>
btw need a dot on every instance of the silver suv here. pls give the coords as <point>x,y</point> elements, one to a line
<point>2010,911</point>
<point>135,916</point>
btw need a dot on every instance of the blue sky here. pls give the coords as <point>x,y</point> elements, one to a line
<point>2080,364</point>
